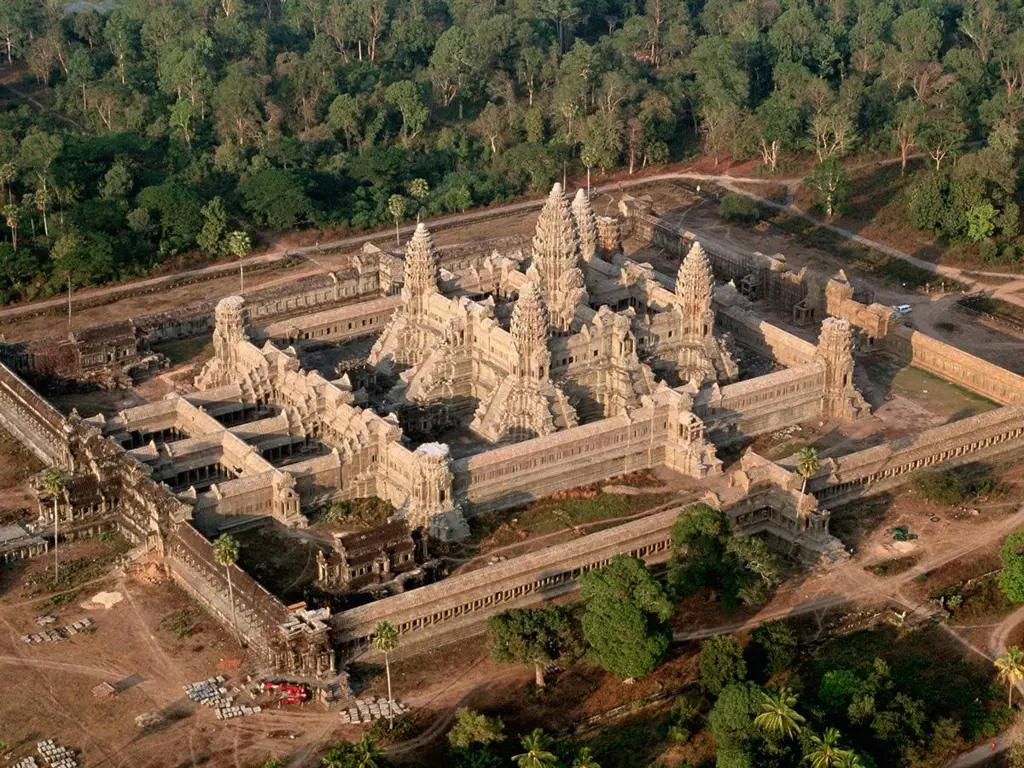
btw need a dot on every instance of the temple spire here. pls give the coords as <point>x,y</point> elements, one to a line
<point>556,242</point>
<point>421,270</point>
<point>695,282</point>
<point>529,330</point>
<point>586,225</point>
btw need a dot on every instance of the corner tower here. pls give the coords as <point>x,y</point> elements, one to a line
<point>840,399</point>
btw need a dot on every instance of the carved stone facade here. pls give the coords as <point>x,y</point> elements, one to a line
<point>685,335</point>
<point>365,558</point>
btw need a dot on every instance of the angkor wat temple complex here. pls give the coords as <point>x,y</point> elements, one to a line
<point>499,372</point>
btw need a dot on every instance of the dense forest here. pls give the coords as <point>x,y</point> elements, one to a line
<point>161,126</point>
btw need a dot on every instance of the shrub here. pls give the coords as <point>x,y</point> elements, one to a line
<point>1011,578</point>
<point>721,663</point>
<point>775,647</point>
<point>941,487</point>
<point>739,208</point>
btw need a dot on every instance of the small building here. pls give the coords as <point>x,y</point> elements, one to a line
<point>368,557</point>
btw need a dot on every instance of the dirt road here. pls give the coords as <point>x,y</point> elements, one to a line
<point>1007,291</point>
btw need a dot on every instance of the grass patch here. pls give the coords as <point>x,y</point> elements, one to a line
<point>634,741</point>
<point>555,514</point>
<point>860,258</point>
<point>56,601</point>
<point>933,392</point>
<point>997,309</point>
<point>854,522</point>
<point>279,560</point>
<point>196,349</point>
<point>74,573</point>
<point>974,598</point>
<point>364,512</point>
<point>182,624</point>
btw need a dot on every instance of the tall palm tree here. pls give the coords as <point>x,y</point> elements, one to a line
<point>367,752</point>
<point>585,759</point>
<point>225,552</point>
<point>824,751</point>
<point>850,759</point>
<point>385,640</point>
<point>1011,670</point>
<point>777,714</point>
<point>807,463</point>
<point>537,755</point>
<point>53,484</point>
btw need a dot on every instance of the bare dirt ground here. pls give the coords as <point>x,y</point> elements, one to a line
<point>183,296</point>
<point>47,686</point>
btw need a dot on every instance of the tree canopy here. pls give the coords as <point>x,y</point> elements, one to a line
<point>626,614</point>
<point>314,113</point>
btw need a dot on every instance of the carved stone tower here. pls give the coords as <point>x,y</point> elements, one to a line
<point>431,504</point>
<point>586,225</point>
<point>556,249</point>
<point>530,332</point>
<point>695,351</point>
<point>421,272</point>
<point>840,399</point>
<point>526,404</point>
<point>406,340</point>
<point>695,288</point>
<point>232,319</point>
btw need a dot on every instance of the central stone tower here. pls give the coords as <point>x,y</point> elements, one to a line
<point>526,404</point>
<point>556,259</point>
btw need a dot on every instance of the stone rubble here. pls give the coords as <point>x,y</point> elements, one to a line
<point>57,634</point>
<point>212,693</point>
<point>55,755</point>
<point>368,710</point>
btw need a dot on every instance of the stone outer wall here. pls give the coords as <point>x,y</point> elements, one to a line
<point>459,606</point>
<point>746,409</point>
<point>257,613</point>
<point>31,420</point>
<point>427,613</point>
<point>764,338</point>
<point>106,296</point>
<point>782,287</point>
<point>886,466</point>
<point>948,362</point>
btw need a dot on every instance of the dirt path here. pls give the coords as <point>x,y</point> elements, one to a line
<point>726,181</point>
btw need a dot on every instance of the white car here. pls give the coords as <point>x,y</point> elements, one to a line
<point>903,309</point>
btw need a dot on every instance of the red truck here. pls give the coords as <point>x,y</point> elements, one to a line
<point>288,693</point>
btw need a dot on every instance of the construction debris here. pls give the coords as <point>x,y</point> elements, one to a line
<point>901,533</point>
<point>149,719</point>
<point>59,634</point>
<point>366,711</point>
<point>104,690</point>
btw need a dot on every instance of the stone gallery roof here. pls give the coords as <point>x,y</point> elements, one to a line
<point>363,546</point>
